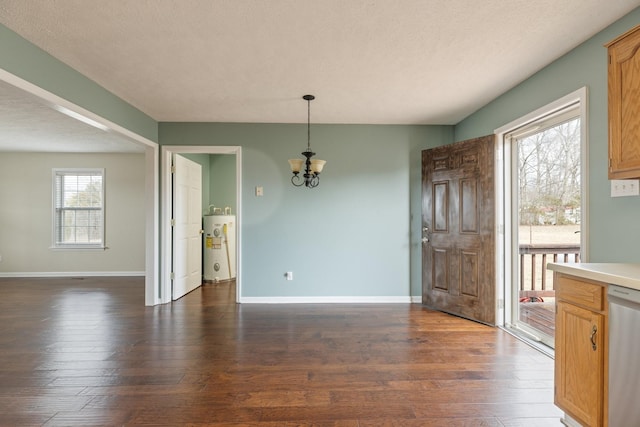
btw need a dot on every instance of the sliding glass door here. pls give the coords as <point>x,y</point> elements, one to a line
<point>546,215</point>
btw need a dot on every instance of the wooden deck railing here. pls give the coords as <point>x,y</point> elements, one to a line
<point>534,277</point>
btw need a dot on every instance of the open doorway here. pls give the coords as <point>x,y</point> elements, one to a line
<point>544,199</point>
<point>106,134</point>
<point>217,199</point>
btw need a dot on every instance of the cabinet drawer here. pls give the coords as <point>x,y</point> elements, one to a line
<point>586,294</point>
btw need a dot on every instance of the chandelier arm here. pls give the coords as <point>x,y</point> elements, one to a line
<point>296,178</point>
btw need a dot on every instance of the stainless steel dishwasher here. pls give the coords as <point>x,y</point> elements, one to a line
<point>624,356</point>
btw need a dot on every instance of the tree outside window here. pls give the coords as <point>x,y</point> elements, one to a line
<point>79,208</point>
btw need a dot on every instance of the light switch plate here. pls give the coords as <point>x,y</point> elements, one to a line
<point>625,187</point>
<point>259,191</point>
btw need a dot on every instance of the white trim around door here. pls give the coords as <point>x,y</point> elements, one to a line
<point>167,152</point>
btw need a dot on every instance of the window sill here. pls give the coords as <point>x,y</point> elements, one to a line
<point>78,248</point>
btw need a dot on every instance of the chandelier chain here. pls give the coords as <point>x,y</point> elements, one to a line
<point>308,124</point>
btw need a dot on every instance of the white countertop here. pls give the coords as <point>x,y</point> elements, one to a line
<point>627,275</point>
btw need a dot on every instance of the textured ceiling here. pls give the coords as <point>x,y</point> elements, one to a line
<point>29,124</point>
<point>367,61</point>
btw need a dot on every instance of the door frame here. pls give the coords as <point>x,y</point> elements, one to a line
<point>505,274</point>
<point>167,152</point>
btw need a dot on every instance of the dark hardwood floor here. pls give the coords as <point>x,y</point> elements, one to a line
<point>87,352</point>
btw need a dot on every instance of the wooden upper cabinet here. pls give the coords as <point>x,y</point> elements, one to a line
<point>624,105</point>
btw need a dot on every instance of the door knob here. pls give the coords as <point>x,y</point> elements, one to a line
<point>425,229</point>
<point>425,240</point>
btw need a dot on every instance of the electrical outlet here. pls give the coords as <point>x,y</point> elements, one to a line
<point>625,187</point>
<point>289,275</point>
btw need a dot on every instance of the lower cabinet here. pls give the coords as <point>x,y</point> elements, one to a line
<point>581,349</point>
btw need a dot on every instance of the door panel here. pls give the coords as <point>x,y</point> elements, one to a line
<point>439,262</point>
<point>187,237</point>
<point>441,206</point>
<point>469,278</point>
<point>458,251</point>
<point>469,206</point>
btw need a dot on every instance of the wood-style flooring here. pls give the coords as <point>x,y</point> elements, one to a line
<point>84,352</point>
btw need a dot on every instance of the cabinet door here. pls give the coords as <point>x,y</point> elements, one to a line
<point>624,106</point>
<point>579,372</point>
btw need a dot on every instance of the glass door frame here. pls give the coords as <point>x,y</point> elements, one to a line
<point>507,214</point>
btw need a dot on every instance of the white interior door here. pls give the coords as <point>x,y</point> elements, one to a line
<point>187,231</point>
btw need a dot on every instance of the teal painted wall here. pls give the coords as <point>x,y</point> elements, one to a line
<point>23,59</point>
<point>218,180</point>
<point>359,232</point>
<point>356,234</point>
<point>614,229</point>
<point>223,181</point>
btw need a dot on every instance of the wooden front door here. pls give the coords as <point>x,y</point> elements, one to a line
<point>458,219</point>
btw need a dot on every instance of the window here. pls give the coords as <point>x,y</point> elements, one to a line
<point>78,208</point>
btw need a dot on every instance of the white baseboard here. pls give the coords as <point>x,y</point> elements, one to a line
<point>328,300</point>
<point>73,274</point>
